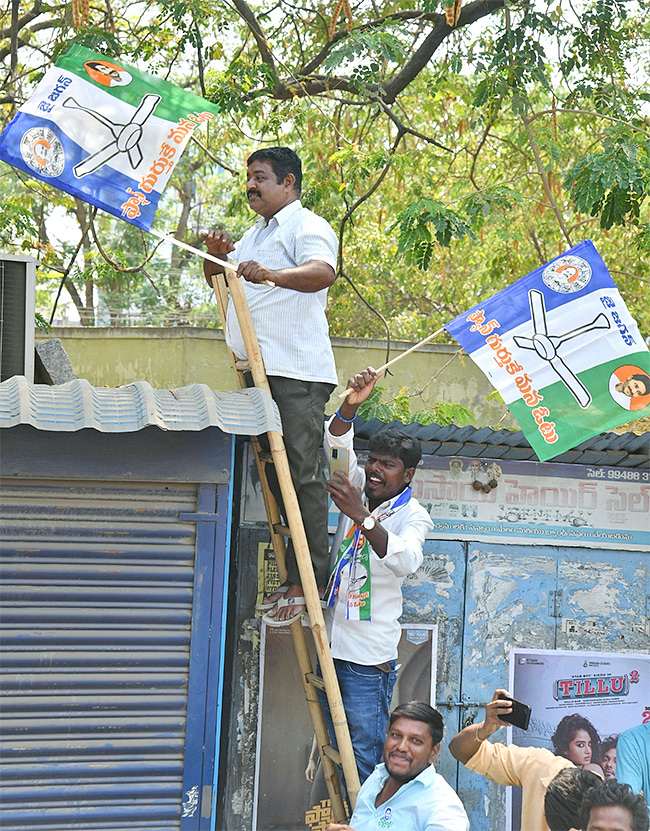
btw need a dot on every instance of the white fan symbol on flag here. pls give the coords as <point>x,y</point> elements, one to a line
<point>546,346</point>
<point>126,137</point>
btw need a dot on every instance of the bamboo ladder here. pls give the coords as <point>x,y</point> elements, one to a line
<point>278,456</point>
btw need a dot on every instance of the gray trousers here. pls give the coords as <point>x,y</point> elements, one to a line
<point>302,409</point>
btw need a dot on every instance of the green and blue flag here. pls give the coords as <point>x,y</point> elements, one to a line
<point>104,132</point>
<point>562,350</point>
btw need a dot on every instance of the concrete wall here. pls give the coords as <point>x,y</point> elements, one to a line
<point>176,357</point>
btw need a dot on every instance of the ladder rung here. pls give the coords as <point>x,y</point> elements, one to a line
<point>330,756</point>
<point>332,753</point>
<point>315,680</point>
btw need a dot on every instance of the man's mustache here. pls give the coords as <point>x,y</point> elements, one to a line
<point>253,192</point>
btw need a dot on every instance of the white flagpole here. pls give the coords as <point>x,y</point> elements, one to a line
<point>203,254</point>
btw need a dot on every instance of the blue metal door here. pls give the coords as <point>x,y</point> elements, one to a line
<point>540,597</point>
<point>436,593</point>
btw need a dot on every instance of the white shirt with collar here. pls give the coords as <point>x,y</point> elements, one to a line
<point>426,803</point>
<point>371,642</point>
<point>291,326</point>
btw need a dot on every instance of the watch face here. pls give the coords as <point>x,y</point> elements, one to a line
<point>369,523</point>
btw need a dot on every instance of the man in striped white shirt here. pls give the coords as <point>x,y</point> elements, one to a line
<point>295,250</point>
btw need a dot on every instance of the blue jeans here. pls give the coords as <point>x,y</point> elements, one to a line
<point>366,692</point>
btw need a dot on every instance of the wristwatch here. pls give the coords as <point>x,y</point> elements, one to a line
<point>369,523</point>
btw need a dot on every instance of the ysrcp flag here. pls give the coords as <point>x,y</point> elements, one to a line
<point>105,132</point>
<point>562,350</point>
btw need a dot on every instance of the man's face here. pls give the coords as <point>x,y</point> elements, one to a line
<point>386,476</point>
<point>632,387</point>
<point>265,196</point>
<point>408,749</point>
<point>108,70</point>
<point>608,763</point>
<point>609,818</point>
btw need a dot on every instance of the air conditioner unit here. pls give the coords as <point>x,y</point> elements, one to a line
<point>17,307</point>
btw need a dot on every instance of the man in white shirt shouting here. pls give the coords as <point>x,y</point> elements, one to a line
<point>378,543</point>
<point>288,261</point>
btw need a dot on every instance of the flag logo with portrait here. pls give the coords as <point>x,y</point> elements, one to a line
<point>562,350</point>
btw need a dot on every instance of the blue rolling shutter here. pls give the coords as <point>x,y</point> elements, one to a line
<point>96,601</point>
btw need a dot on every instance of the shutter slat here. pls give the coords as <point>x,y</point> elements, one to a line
<point>97,605</point>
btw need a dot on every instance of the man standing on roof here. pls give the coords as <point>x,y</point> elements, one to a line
<point>296,251</point>
<point>378,542</point>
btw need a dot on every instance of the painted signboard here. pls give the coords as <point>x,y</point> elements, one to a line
<point>536,503</point>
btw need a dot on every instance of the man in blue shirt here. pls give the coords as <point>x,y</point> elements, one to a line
<point>405,793</point>
<point>633,759</point>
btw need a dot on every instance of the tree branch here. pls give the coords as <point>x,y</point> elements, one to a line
<point>23,21</point>
<point>301,85</point>
<point>590,113</point>
<point>251,21</point>
<point>404,129</point>
<point>441,30</point>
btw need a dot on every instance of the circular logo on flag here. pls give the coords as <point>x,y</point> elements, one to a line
<point>107,73</point>
<point>42,150</point>
<point>567,274</point>
<point>629,386</point>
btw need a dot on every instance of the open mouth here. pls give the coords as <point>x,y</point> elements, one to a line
<point>374,480</point>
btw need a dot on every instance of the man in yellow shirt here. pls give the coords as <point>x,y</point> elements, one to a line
<point>537,771</point>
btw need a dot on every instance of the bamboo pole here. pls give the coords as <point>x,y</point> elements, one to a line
<point>301,548</point>
<point>347,391</point>
<point>320,730</point>
<point>279,547</point>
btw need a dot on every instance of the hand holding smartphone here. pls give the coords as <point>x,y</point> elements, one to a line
<point>339,461</point>
<point>520,715</point>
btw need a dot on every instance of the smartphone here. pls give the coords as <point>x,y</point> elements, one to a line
<point>520,715</point>
<point>339,461</point>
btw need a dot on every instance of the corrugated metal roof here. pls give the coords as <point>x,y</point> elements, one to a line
<point>605,449</point>
<point>78,405</point>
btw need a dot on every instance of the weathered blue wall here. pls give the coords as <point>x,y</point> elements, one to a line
<point>486,598</point>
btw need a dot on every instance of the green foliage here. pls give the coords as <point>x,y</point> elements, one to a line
<point>230,89</point>
<point>358,165</point>
<point>399,408</point>
<point>481,207</point>
<point>514,61</point>
<point>614,181</point>
<point>367,52</point>
<point>40,323</point>
<point>416,242</point>
<point>643,239</point>
<point>17,224</point>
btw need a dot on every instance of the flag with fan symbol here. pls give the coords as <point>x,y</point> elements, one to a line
<point>563,351</point>
<point>105,132</point>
